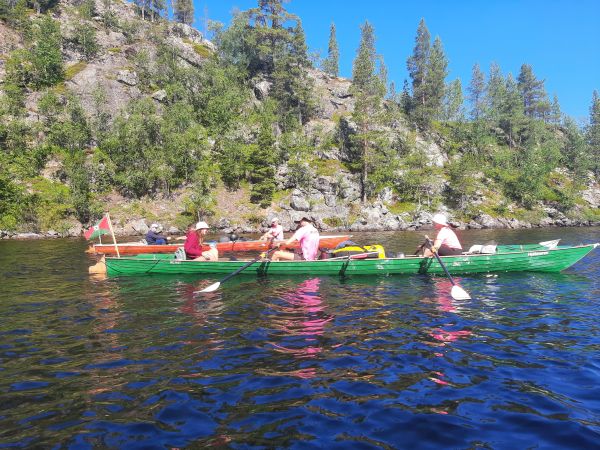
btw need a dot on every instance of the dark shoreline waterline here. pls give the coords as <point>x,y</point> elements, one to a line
<point>256,233</point>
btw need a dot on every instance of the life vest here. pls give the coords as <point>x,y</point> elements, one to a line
<point>355,252</point>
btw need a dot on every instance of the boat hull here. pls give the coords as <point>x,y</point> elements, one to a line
<point>135,248</point>
<point>546,260</point>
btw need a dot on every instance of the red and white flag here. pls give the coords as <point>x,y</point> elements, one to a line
<point>102,227</point>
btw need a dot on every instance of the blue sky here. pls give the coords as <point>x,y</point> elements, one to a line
<point>559,39</point>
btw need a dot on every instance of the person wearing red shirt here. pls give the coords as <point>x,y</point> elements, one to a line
<point>193,244</point>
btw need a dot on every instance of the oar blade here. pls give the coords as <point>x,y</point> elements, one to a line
<point>459,293</point>
<point>212,288</point>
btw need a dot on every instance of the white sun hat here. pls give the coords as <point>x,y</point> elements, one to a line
<point>202,225</point>
<point>439,219</point>
<point>274,219</point>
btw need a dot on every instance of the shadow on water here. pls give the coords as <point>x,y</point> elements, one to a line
<point>358,362</point>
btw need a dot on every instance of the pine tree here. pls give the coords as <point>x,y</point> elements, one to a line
<point>593,132</point>
<point>477,92</point>
<point>437,70</point>
<point>157,7</point>
<point>535,99</point>
<point>369,91</point>
<point>184,11</point>
<point>331,65</point>
<point>417,69</point>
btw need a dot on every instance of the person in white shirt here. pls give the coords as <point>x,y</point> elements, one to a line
<point>274,233</point>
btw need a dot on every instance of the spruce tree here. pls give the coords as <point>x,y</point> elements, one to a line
<point>331,65</point>
<point>555,112</point>
<point>495,92</point>
<point>417,69</point>
<point>453,102</point>
<point>184,11</point>
<point>369,91</point>
<point>477,92</point>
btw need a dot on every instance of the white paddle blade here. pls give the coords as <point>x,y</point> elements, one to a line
<point>459,293</point>
<point>212,288</point>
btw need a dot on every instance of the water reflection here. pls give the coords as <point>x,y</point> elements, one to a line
<point>300,319</point>
<point>297,362</point>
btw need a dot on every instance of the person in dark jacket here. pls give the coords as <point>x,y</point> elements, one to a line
<point>155,236</point>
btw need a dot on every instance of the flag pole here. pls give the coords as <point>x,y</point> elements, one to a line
<point>113,235</point>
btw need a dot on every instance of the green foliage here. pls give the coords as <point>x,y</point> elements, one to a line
<point>202,50</point>
<point>331,65</point>
<point>74,69</point>
<point>427,67</point>
<point>51,203</point>
<point>184,11</point>
<point>87,9</point>
<point>233,157</point>
<point>41,63</point>
<point>13,203</point>
<point>84,40</point>
<point>262,166</point>
<point>369,90</point>
<point>15,13</point>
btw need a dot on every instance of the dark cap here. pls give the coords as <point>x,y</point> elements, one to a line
<point>306,219</point>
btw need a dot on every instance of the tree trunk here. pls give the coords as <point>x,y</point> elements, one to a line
<point>363,175</point>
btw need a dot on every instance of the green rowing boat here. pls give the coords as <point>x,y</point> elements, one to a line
<point>532,257</point>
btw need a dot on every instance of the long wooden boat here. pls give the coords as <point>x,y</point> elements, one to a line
<point>136,248</point>
<point>535,258</point>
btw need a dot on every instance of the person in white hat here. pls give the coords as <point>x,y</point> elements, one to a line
<point>446,242</point>
<point>274,233</point>
<point>193,244</point>
<point>308,238</point>
<point>154,235</point>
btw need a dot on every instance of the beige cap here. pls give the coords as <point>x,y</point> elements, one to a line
<point>202,225</point>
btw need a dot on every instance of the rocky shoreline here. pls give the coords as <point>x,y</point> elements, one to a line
<point>139,227</point>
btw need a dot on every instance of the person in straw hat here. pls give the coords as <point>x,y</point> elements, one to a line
<point>446,242</point>
<point>193,244</point>
<point>274,233</point>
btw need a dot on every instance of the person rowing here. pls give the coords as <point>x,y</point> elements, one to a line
<point>446,242</point>
<point>275,233</point>
<point>193,244</point>
<point>308,237</point>
<point>155,236</point>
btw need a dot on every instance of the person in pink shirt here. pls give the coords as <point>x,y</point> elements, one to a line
<point>446,242</point>
<point>274,233</point>
<point>308,237</point>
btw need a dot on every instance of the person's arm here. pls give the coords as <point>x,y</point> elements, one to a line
<point>439,240</point>
<point>288,242</point>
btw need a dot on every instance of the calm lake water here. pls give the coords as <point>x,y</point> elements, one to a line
<point>381,362</point>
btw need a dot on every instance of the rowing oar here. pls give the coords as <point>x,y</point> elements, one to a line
<point>456,292</point>
<point>213,287</point>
